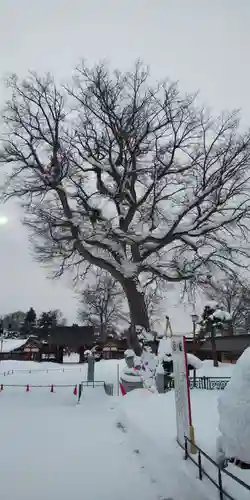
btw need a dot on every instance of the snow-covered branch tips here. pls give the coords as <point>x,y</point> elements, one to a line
<point>133,179</point>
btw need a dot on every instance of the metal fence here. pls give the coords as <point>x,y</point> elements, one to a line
<point>108,388</point>
<point>208,383</point>
<point>217,480</point>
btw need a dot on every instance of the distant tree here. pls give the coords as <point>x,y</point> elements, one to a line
<point>233,295</point>
<point>29,322</point>
<point>49,319</point>
<point>102,303</point>
<point>30,317</point>
<point>154,290</point>
<point>213,320</point>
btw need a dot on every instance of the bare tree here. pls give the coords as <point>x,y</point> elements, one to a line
<point>232,294</point>
<point>127,177</point>
<point>102,302</point>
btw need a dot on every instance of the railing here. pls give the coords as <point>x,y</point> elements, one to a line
<point>108,388</point>
<point>40,370</point>
<point>208,383</point>
<point>220,473</point>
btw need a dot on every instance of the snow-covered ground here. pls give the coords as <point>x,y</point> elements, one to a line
<point>105,447</point>
<point>208,370</point>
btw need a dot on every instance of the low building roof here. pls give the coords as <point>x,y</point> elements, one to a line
<point>228,343</point>
<point>71,336</point>
<point>9,345</point>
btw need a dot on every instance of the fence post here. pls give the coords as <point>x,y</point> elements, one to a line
<point>194,379</point>
<point>79,392</point>
<point>118,379</point>
<point>199,464</point>
<point>186,448</point>
<point>220,484</point>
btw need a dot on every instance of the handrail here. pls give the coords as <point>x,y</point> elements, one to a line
<point>219,484</point>
<point>208,383</point>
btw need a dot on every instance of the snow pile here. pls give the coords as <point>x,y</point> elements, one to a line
<point>131,375</point>
<point>88,353</point>
<point>234,411</point>
<point>129,353</point>
<point>165,349</point>
<point>207,369</point>
<point>193,361</point>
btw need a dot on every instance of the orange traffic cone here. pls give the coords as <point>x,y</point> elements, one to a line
<point>27,388</point>
<point>52,388</point>
<point>75,390</point>
<point>122,390</point>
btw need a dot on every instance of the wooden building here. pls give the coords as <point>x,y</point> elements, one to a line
<point>113,348</point>
<point>20,349</point>
<point>66,338</point>
<point>229,348</point>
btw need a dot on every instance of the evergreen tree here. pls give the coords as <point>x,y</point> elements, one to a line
<point>215,320</point>
<point>29,322</point>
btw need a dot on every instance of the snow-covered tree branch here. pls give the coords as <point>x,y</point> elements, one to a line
<point>127,177</point>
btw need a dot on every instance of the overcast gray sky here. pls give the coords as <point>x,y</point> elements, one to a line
<point>203,44</point>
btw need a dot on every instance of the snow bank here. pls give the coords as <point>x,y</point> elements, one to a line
<point>234,411</point>
<point>207,369</point>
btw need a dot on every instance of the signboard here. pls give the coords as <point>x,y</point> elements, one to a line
<point>182,391</point>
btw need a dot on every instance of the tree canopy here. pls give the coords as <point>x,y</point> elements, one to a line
<point>130,177</point>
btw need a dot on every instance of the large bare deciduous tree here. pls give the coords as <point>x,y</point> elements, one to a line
<point>126,176</point>
<point>103,305</point>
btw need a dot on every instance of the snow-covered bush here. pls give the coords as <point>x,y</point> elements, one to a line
<point>214,318</point>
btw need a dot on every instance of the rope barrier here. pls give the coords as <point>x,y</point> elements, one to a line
<point>45,370</point>
<point>38,386</point>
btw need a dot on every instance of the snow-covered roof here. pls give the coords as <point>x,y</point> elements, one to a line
<point>9,345</point>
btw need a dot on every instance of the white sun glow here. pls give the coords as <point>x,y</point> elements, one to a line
<point>3,220</point>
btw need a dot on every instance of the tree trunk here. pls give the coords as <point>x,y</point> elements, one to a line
<point>138,312</point>
<point>213,345</point>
